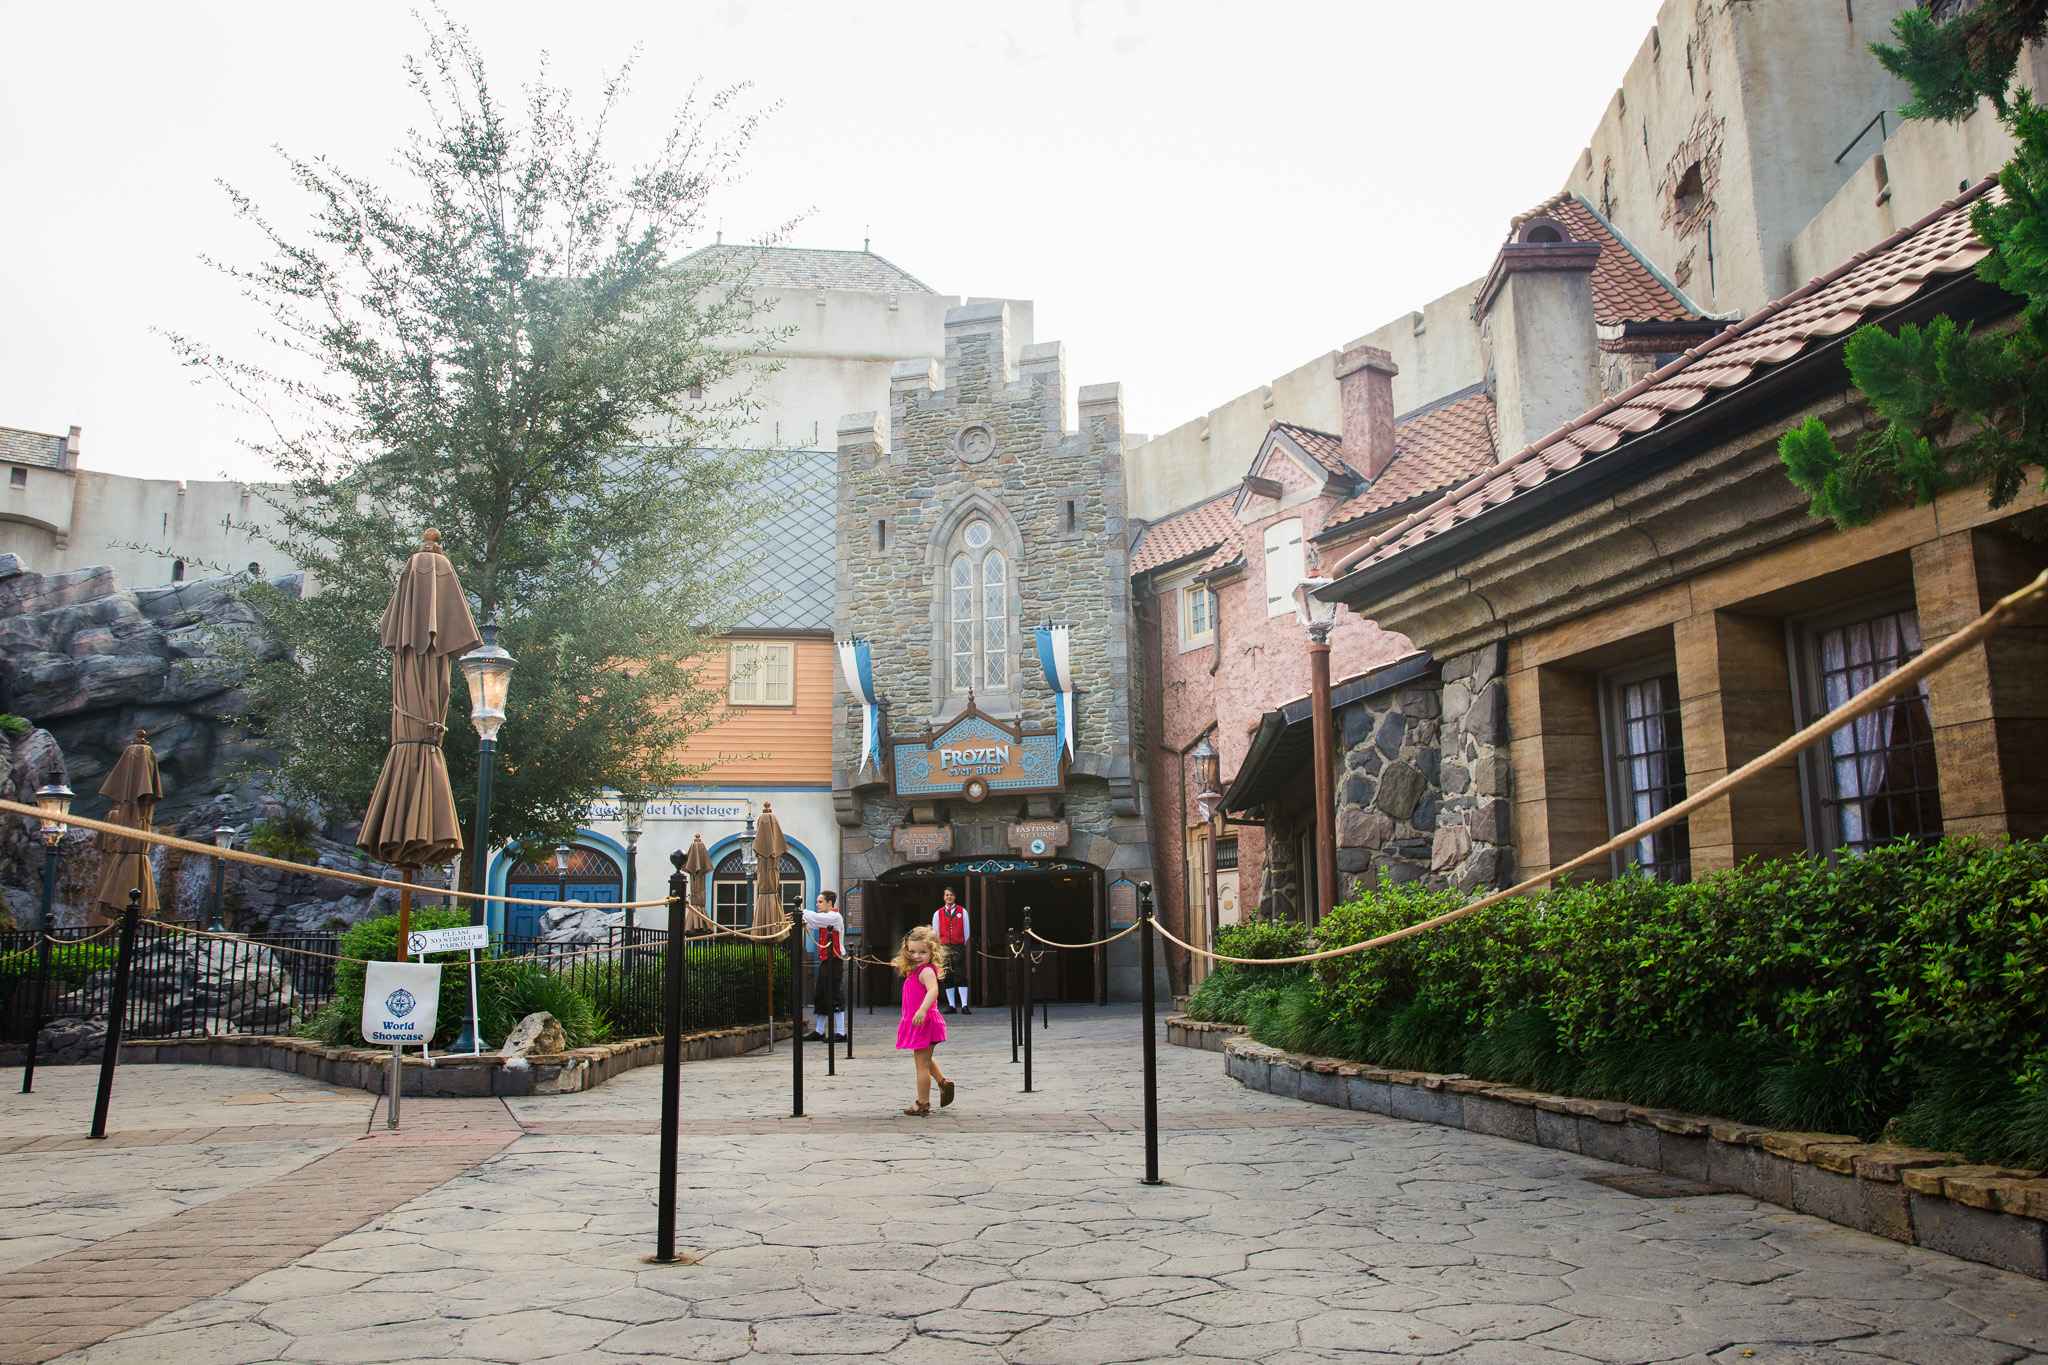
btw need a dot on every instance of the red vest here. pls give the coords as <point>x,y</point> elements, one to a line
<point>952,924</point>
<point>828,944</point>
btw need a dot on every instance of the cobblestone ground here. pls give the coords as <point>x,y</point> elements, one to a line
<point>1013,1228</point>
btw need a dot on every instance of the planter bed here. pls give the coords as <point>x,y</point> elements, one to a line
<point>458,1074</point>
<point>1989,1214</point>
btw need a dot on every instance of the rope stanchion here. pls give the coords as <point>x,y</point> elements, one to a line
<point>1121,933</point>
<point>1858,706</point>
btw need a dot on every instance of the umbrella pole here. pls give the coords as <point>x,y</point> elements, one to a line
<point>398,1049</point>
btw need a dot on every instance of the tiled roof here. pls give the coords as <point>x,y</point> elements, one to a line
<point>31,447</point>
<point>1320,446</point>
<point>1883,276</point>
<point>1625,287</point>
<point>791,555</point>
<point>1185,534</point>
<point>803,267</point>
<point>1434,447</point>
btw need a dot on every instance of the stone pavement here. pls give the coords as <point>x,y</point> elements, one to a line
<point>1011,1228</point>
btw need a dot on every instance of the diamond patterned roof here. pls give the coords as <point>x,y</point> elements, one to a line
<point>803,267</point>
<point>791,554</point>
<point>31,447</point>
<point>1882,276</point>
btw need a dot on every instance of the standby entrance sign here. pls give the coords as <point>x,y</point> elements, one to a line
<point>400,1001</point>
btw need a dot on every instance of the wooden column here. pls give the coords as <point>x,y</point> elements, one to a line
<point>1560,787</point>
<point>1990,707</point>
<point>1735,698</point>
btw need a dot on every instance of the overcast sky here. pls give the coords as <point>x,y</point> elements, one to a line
<point>1198,196</point>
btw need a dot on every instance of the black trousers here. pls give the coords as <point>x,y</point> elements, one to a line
<point>956,964</point>
<point>827,984</point>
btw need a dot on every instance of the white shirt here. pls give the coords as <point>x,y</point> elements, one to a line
<point>827,919</point>
<point>966,925</point>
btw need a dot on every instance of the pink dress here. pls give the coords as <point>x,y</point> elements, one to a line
<point>912,1036</point>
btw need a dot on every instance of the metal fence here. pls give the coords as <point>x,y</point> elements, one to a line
<point>726,982</point>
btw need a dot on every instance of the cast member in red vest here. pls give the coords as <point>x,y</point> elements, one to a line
<point>950,923</point>
<point>827,1003</point>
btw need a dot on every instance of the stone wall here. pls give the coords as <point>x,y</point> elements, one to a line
<point>1424,790</point>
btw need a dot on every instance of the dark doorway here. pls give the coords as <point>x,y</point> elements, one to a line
<point>1066,904</point>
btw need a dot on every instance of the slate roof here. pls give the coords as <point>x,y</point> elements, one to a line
<point>1185,534</point>
<point>31,447</point>
<point>803,267</point>
<point>1882,276</point>
<point>1436,446</point>
<point>790,556</point>
<point>1626,288</point>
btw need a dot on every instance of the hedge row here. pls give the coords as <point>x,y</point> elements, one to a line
<point>1904,992</point>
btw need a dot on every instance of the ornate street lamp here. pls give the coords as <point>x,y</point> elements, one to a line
<point>1210,802</point>
<point>633,811</point>
<point>488,670</point>
<point>224,836</point>
<point>54,801</point>
<point>561,874</point>
<point>1318,616</point>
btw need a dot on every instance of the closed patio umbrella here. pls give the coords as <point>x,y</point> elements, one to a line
<point>698,864</point>
<point>411,819</point>
<point>769,846</point>
<point>134,787</point>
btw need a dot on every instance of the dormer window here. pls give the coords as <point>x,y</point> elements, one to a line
<point>1541,230</point>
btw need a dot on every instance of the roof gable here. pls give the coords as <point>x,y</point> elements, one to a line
<point>802,267</point>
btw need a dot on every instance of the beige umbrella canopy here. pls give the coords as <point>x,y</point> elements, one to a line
<point>769,846</point>
<point>134,788</point>
<point>411,820</point>
<point>698,864</point>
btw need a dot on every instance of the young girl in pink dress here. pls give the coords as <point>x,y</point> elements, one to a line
<point>920,962</point>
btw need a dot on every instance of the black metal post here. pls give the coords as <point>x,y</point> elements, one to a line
<point>847,977</point>
<point>480,879</point>
<point>28,1072</point>
<point>796,1016</point>
<point>117,1012</point>
<point>1013,986</point>
<point>632,881</point>
<point>831,1035</point>
<point>220,882</point>
<point>1151,1044</point>
<point>671,1059</point>
<point>1030,989</point>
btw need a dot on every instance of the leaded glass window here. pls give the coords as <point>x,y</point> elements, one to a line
<point>978,612</point>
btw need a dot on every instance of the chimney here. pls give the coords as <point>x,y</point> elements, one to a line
<point>71,444</point>
<point>1365,395</point>
<point>1537,334</point>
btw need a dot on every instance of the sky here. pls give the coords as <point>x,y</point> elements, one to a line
<point>1198,195</point>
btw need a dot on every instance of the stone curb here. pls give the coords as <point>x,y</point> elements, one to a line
<point>1932,1199</point>
<point>457,1075</point>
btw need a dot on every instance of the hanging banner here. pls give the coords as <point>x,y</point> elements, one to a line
<point>1055,656</point>
<point>857,664</point>
<point>400,1002</point>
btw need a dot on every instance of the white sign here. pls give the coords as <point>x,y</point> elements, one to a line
<point>679,808</point>
<point>400,1002</point>
<point>447,940</point>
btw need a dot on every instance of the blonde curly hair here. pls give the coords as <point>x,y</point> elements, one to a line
<point>929,937</point>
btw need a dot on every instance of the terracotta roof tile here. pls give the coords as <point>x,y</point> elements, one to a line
<point>1883,276</point>
<point>1434,447</point>
<point>1625,287</point>
<point>1320,446</point>
<point>1204,527</point>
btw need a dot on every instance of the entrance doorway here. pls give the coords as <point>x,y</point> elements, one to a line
<point>1067,904</point>
<point>588,876</point>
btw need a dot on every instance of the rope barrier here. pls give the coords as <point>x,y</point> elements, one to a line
<point>284,865</point>
<point>1096,944</point>
<point>1858,706</point>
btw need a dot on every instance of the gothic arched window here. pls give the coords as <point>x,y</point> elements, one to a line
<point>977,612</point>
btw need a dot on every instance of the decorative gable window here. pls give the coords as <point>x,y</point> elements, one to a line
<point>762,675</point>
<point>1286,565</point>
<point>977,612</point>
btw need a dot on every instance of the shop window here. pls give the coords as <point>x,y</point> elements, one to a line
<point>1197,616</point>
<point>1286,565</point>
<point>763,675</point>
<point>1645,745</point>
<point>977,612</point>
<point>1874,778</point>
<point>1226,854</point>
<point>729,890</point>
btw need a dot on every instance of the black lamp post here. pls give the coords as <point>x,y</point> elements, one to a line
<point>54,801</point>
<point>223,836</point>
<point>633,811</point>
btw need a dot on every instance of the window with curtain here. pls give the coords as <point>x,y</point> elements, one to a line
<point>1646,749</point>
<point>763,675</point>
<point>1876,774</point>
<point>977,612</point>
<point>1286,565</point>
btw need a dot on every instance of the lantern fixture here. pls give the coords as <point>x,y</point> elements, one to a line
<point>488,670</point>
<point>54,801</point>
<point>1312,611</point>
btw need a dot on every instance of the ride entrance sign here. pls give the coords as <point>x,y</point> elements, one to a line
<point>974,757</point>
<point>400,1002</point>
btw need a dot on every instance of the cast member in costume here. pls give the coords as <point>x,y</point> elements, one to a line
<point>950,923</point>
<point>826,1002</point>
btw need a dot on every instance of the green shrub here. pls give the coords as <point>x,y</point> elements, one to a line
<point>522,987</point>
<point>70,963</point>
<point>15,727</point>
<point>1905,991</point>
<point>289,837</point>
<point>376,940</point>
<point>1262,938</point>
<point>1228,994</point>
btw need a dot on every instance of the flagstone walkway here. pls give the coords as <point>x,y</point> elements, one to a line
<point>1011,1228</point>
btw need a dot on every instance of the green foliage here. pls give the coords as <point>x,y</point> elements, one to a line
<point>376,940</point>
<point>1909,985</point>
<point>502,347</point>
<point>520,988</point>
<point>70,963</point>
<point>1262,938</point>
<point>15,727</point>
<point>289,837</point>
<point>1953,408</point>
<point>1229,994</point>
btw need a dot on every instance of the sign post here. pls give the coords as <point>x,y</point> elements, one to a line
<point>400,1003</point>
<point>471,936</point>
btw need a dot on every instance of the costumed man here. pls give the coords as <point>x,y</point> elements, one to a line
<point>950,921</point>
<point>827,1003</point>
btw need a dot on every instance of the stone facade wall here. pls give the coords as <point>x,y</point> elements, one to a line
<point>976,440</point>
<point>1425,787</point>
